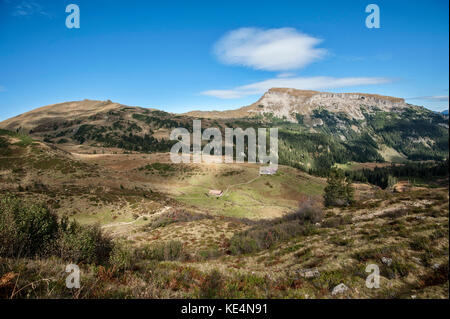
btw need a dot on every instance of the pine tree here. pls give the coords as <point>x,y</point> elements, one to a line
<point>339,191</point>
<point>350,192</point>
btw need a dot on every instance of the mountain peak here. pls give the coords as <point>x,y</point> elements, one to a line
<point>60,111</point>
<point>285,103</point>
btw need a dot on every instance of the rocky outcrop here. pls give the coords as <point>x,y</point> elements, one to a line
<point>286,103</point>
<point>339,289</point>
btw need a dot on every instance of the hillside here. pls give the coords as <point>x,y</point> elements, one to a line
<point>98,176</point>
<point>159,234</point>
<point>84,125</point>
<point>316,130</point>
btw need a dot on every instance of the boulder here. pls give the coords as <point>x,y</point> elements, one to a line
<point>386,261</point>
<point>339,289</point>
<point>309,273</point>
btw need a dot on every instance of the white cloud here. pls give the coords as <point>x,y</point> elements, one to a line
<point>285,75</point>
<point>273,49</point>
<point>26,8</point>
<point>283,50</point>
<point>302,83</point>
<point>435,98</point>
<point>224,94</point>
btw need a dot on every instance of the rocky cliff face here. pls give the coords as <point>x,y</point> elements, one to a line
<point>286,103</point>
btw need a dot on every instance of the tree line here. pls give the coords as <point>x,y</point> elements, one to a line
<point>384,177</point>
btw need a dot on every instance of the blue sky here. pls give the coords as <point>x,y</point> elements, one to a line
<point>186,55</point>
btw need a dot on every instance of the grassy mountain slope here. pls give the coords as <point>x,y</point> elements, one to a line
<point>171,240</point>
<point>316,130</point>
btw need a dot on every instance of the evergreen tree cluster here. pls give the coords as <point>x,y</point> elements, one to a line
<point>339,190</point>
<point>385,177</point>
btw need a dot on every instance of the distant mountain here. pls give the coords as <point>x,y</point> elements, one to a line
<point>320,128</point>
<point>445,112</point>
<point>287,103</point>
<point>316,129</point>
<point>85,125</point>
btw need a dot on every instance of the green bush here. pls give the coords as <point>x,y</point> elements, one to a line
<point>419,243</point>
<point>439,233</point>
<point>122,257</point>
<point>170,250</point>
<point>374,253</point>
<point>26,230</point>
<point>396,269</point>
<point>267,234</point>
<point>210,252</point>
<point>3,146</point>
<point>333,222</point>
<point>309,214</point>
<point>211,286</point>
<point>31,230</point>
<point>243,245</point>
<point>438,276</point>
<point>329,279</point>
<point>85,244</point>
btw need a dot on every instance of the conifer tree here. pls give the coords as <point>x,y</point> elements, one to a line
<point>339,191</point>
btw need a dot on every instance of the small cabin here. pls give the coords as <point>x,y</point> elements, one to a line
<point>215,192</point>
<point>267,170</point>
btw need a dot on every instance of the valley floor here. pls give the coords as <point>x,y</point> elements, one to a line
<point>187,244</point>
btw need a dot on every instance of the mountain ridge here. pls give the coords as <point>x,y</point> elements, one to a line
<point>89,107</point>
<point>284,102</point>
<point>316,129</point>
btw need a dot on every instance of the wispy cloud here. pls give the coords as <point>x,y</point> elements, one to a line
<point>283,50</point>
<point>434,98</point>
<point>226,94</point>
<point>273,49</point>
<point>303,83</point>
<point>28,8</point>
<point>285,75</point>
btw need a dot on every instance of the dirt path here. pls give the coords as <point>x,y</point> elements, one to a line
<point>245,183</point>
